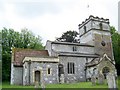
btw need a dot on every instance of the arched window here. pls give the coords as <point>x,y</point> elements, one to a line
<point>105,71</point>
<point>94,71</point>
<point>49,71</point>
<point>60,69</point>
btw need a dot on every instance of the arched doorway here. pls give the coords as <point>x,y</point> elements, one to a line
<point>60,70</point>
<point>37,76</point>
<point>105,71</point>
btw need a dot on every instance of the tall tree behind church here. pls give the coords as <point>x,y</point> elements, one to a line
<point>116,47</point>
<point>69,36</point>
<point>12,39</point>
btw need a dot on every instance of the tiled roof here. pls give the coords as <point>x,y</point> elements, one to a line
<point>20,54</point>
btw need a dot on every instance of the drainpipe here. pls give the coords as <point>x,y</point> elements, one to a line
<point>29,63</point>
<point>86,69</point>
<point>85,73</point>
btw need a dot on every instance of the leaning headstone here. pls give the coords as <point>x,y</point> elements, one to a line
<point>93,80</point>
<point>43,85</point>
<point>101,79</point>
<point>37,85</point>
<point>62,78</point>
<point>111,81</point>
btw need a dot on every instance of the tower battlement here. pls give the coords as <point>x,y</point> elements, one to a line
<point>94,24</point>
<point>92,18</point>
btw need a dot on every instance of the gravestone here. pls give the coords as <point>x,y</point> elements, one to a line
<point>101,79</point>
<point>111,81</point>
<point>93,80</point>
<point>37,85</point>
<point>43,85</point>
<point>62,78</point>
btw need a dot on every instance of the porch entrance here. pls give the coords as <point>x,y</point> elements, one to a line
<point>37,76</point>
<point>105,71</point>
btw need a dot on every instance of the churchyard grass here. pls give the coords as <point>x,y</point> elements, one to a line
<point>118,82</point>
<point>74,85</point>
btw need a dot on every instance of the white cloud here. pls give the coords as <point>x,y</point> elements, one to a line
<point>51,24</point>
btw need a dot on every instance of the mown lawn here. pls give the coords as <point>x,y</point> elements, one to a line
<point>73,85</point>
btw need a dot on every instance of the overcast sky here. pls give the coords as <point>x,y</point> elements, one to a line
<point>50,18</point>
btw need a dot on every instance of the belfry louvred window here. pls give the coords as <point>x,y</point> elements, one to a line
<point>74,48</point>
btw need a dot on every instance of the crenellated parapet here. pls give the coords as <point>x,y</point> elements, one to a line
<point>92,18</point>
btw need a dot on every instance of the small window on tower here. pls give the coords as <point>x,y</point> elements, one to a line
<point>100,26</point>
<point>49,70</point>
<point>84,29</point>
<point>74,48</point>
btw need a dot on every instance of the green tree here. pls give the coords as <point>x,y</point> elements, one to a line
<point>69,36</point>
<point>29,40</point>
<point>10,39</point>
<point>116,47</point>
<point>0,58</point>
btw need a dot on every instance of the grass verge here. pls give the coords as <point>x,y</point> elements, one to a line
<point>73,85</point>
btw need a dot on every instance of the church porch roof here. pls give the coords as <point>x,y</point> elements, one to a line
<point>96,61</point>
<point>41,59</point>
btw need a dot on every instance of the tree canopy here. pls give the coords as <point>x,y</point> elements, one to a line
<point>69,36</point>
<point>13,39</point>
<point>116,47</point>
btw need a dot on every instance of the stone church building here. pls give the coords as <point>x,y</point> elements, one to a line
<point>65,62</point>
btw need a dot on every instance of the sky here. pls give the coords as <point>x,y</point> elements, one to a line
<point>51,18</point>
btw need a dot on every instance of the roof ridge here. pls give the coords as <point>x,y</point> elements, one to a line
<point>25,49</point>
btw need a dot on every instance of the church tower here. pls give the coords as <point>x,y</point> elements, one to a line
<point>96,31</point>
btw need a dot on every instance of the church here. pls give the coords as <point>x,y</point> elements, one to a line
<point>65,62</point>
